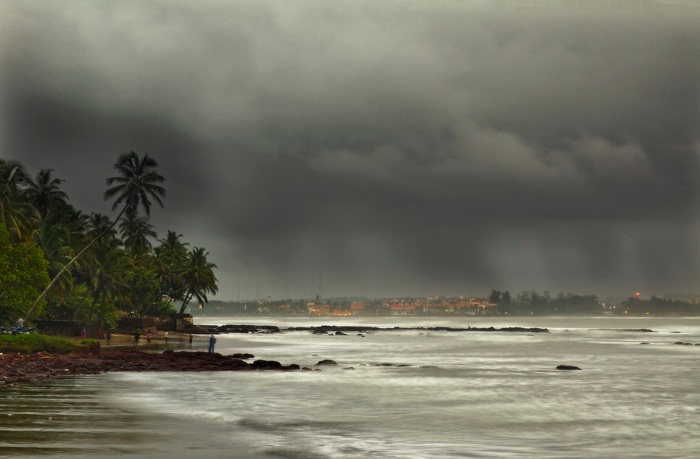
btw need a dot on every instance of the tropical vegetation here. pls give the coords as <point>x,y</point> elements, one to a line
<point>59,262</point>
<point>34,342</point>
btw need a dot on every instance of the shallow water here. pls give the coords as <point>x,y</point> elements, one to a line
<point>394,394</point>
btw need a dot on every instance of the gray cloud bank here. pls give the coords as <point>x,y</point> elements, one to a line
<point>402,147</point>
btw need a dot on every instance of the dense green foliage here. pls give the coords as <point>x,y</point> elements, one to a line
<point>23,273</point>
<point>33,342</point>
<point>657,306</point>
<point>97,273</point>
<point>535,303</point>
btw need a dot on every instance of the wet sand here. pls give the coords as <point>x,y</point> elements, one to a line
<point>76,417</point>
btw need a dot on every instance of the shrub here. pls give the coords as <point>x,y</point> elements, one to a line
<point>31,343</point>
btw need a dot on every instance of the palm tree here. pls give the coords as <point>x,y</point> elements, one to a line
<point>107,273</point>
<point>12,177</point>
<point>173,249</point>
<point>169,260</point>
<point>99,226</point>
<point>199,277</point>
<point>135,233</point>
<point>44,193</point>
<point>54,238</point>
<point>18,214</point>
<point>136,185</point>
<point>137,182</point>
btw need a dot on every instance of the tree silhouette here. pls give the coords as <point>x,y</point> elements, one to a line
<point>199,277</point>
<point>136,184</point>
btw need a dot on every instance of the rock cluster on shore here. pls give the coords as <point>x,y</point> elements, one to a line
<point>22,368</point>
<point>341,329</point>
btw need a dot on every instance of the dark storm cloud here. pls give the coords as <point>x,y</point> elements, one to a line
<point>397,147</point>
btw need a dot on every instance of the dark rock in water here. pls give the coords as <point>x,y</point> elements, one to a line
<point>340,333</point>
<point>327,362</point>
<point>349,368</point>
<point>644,342</point>
<point>632,330</point>
<point>242,356</point>
<point>266,364</point>
<point>325,329</point>
<point>361,335</point>
<point>248,329</point>
<point>682,343</point>
<point>567,367</point>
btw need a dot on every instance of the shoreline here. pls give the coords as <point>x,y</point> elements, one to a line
<point>24,368</point>
<point>121,353</point>
<point>339,329</point>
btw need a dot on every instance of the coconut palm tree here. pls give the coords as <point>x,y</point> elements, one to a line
<point>135,233</point>
<point>137,184</point>
<point>12,177</point>
<point>169,259</point>
<point>19,216</point>
<point>199,277</point>
<point>99,226</point>
<point>54,238</point>
<point>45,194</point>
<point>108,273</point>
<point>173,249</point>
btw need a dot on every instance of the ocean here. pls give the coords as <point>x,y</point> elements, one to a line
<point>393,394</point>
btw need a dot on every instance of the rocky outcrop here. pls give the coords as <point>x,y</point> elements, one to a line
<point>246,329</point>
<point>567,367</point>
<point>20,368</point>
<point>326,329</point>
<point>327,362</point>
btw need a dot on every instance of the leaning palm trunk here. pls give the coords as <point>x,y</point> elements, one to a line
<point>136,183</point>
<point>67,265</point>
<point>185,303</point>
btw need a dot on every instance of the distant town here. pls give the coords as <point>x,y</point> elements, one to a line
<point>498,303</point>
<point>598,6</point>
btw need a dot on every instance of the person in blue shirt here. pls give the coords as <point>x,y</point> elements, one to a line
<point>212,343</point>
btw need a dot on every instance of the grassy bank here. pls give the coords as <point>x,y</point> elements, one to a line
<point>30,343</point>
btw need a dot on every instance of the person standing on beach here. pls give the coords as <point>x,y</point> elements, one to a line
<point>166,339</point>
<point>190,342</point>
<point>212,343</point>
<point>137,335</point>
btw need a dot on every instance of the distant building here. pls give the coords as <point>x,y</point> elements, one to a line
<point>692,298</point>
<point>589,6</point>
<point>318,309</point>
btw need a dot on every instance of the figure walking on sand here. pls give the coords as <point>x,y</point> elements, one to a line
<point>212,343</point>
<point>190,342</point>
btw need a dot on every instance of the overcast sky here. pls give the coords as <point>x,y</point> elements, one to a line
<point>397,147</point>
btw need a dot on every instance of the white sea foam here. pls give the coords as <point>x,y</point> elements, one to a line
<point>427,394</point>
